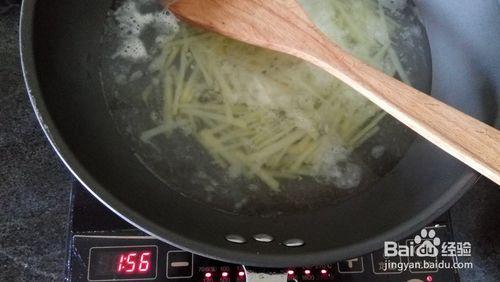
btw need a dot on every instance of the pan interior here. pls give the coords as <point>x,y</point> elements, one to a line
<point>132,40</point>
<point>64,65</point>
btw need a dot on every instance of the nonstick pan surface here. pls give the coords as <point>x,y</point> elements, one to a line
<point>60,46</point>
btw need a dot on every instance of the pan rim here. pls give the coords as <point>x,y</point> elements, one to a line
<point>70,160</point>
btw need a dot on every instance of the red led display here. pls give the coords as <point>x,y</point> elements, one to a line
<point>122,263</point>
<point>133,262</point>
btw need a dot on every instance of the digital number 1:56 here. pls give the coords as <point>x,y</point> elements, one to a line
<point>134,262</point>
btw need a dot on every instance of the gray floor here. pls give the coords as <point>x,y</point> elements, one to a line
<point>34,188</point>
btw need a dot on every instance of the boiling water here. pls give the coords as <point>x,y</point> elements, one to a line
<point>132,42</point>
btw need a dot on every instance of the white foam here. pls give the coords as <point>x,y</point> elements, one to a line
<point>346,175</point>
<point>131,21</point>
<point>132,24</point>
<point>132,49</point>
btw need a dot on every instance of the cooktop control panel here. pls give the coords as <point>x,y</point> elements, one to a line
<point>121,257</point>
<point>103,247</point>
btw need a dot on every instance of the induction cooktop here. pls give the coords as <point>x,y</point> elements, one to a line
<point>104,247</point>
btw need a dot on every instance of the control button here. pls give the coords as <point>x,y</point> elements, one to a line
<point>418,264</point>
<point>241,274</point>
<point>385,265</point>
<point>224,277</point>
<point>353,265</point>
<point>179,264</point>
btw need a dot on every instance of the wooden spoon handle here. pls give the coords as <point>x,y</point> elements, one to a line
<point>282,25</point>
<point>467,139</point>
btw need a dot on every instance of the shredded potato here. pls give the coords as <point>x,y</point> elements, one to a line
<point>268,115</point>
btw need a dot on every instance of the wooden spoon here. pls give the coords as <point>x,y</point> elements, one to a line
<point>282,25</point>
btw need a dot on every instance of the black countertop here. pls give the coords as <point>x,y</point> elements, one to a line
<point>35,188</point>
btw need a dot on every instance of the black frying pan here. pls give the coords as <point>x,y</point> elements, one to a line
<point>60,46</point>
